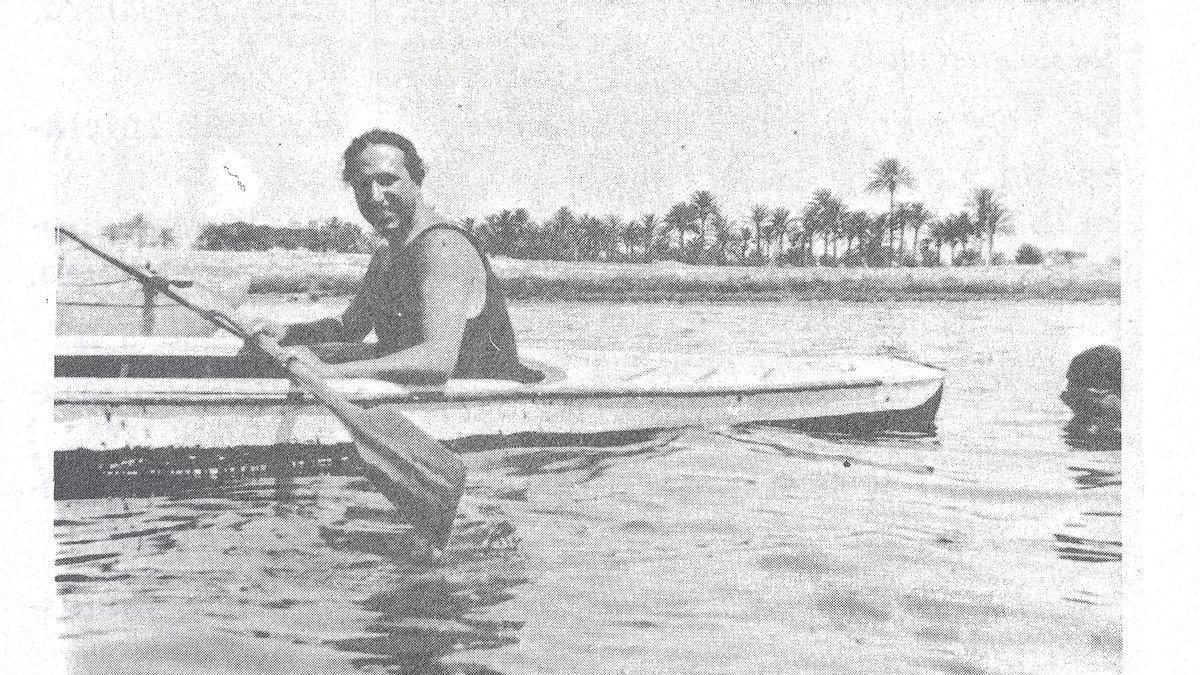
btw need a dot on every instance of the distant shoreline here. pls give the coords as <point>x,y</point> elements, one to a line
<point>282,272</point>
<point>672,282</point>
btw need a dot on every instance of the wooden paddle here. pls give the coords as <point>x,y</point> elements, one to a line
<point>422,477</point>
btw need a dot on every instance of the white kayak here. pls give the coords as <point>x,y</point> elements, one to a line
<point>114,393</point>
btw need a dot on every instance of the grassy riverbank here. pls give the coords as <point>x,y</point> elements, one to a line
<point>334,274</point>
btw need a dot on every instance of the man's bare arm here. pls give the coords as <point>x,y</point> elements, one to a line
<point>356,320</point>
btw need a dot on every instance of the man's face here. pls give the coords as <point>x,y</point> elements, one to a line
<point>386,195</point>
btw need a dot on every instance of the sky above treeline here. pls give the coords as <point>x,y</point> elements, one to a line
<point>192,112</point>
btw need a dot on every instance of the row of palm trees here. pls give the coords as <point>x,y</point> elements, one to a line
<point>825,232</point>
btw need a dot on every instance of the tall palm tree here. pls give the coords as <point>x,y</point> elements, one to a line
<point>879,225</point>
<point>564,231</point>
<point>627,233</point>
<point>646,229</point>
<point>802,237</point>
<point>812,220</point>
<point>491,231</point>
<point>704,206</point>
<point>890,174</point>
<point>990,217</point>
<point>826,212</point>
<point>679,220</point>
<point>506,229</point>
<point>745,250</point>
<point>962,231</point>
<point>592,235</point>
<point>914,215</point>
<point>781,217</point>
<point>723,235</point>
<point>942,233</point>
<point>858,226</point>
<point>758,215</point>
<point>614,228</point>
<point>811,223</point>
<point>524,228</point>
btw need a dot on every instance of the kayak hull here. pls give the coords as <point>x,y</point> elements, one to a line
<point>584,393</point>
<point>216,425</point>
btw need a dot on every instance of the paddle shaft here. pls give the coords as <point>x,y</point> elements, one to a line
<point>351,415</point>
<point>301,375</point>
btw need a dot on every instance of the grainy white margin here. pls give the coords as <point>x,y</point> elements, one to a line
<point>1161,501</point>
<point>28,76</point>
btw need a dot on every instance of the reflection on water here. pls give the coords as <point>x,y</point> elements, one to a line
<point>328,570</point>
<point>1083,433</point>
<point>1098,465</point>
<point>993,547</point>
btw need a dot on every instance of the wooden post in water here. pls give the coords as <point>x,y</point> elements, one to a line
<point>148,295</point>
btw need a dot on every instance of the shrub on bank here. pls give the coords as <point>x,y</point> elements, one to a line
<point>1028,254</point>
<point>331,235</point>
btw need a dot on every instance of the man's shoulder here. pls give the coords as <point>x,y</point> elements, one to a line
<point>443,236</point>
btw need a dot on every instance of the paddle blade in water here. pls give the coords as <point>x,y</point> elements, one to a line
<point>420,476</point>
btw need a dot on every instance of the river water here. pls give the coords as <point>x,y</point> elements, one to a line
<point>993,547</point>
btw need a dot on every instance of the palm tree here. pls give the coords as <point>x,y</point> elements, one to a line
<point>942,233</point>
<point>679,219</point>
<point>811,224</point>
<point>914,215</point>
<point>780,219</point>
<point>962,231</point>
<point>476,228</point>
<point>840,231</point>
<point>703,206</point>
<point>630,234</point>
<point>506,229</point>
<point>825,212</point>
<point>858,225</point>
<point>802,237</point>
<point>758,215</point>
<point>811,218</point>
<point>592,237</point>
<point>889,175</point>
<point>646,229</point>
<point>614,228</point>
<point>564,232</point>
<point>879,225</point>
<point>723,236</point>
<point>990,217</point>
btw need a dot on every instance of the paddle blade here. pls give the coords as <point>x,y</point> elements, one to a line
<point>419,475</point>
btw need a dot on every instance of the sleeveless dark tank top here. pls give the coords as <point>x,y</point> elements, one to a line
<point>390,302</point>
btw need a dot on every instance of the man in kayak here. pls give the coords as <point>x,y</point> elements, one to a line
<point>429,295</point>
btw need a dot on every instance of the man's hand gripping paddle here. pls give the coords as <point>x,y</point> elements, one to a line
<point>422,477</point>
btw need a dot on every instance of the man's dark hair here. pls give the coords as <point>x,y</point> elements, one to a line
<point>412,161</point>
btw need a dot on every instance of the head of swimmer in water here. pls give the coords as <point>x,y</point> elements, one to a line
<point>385,172</point>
